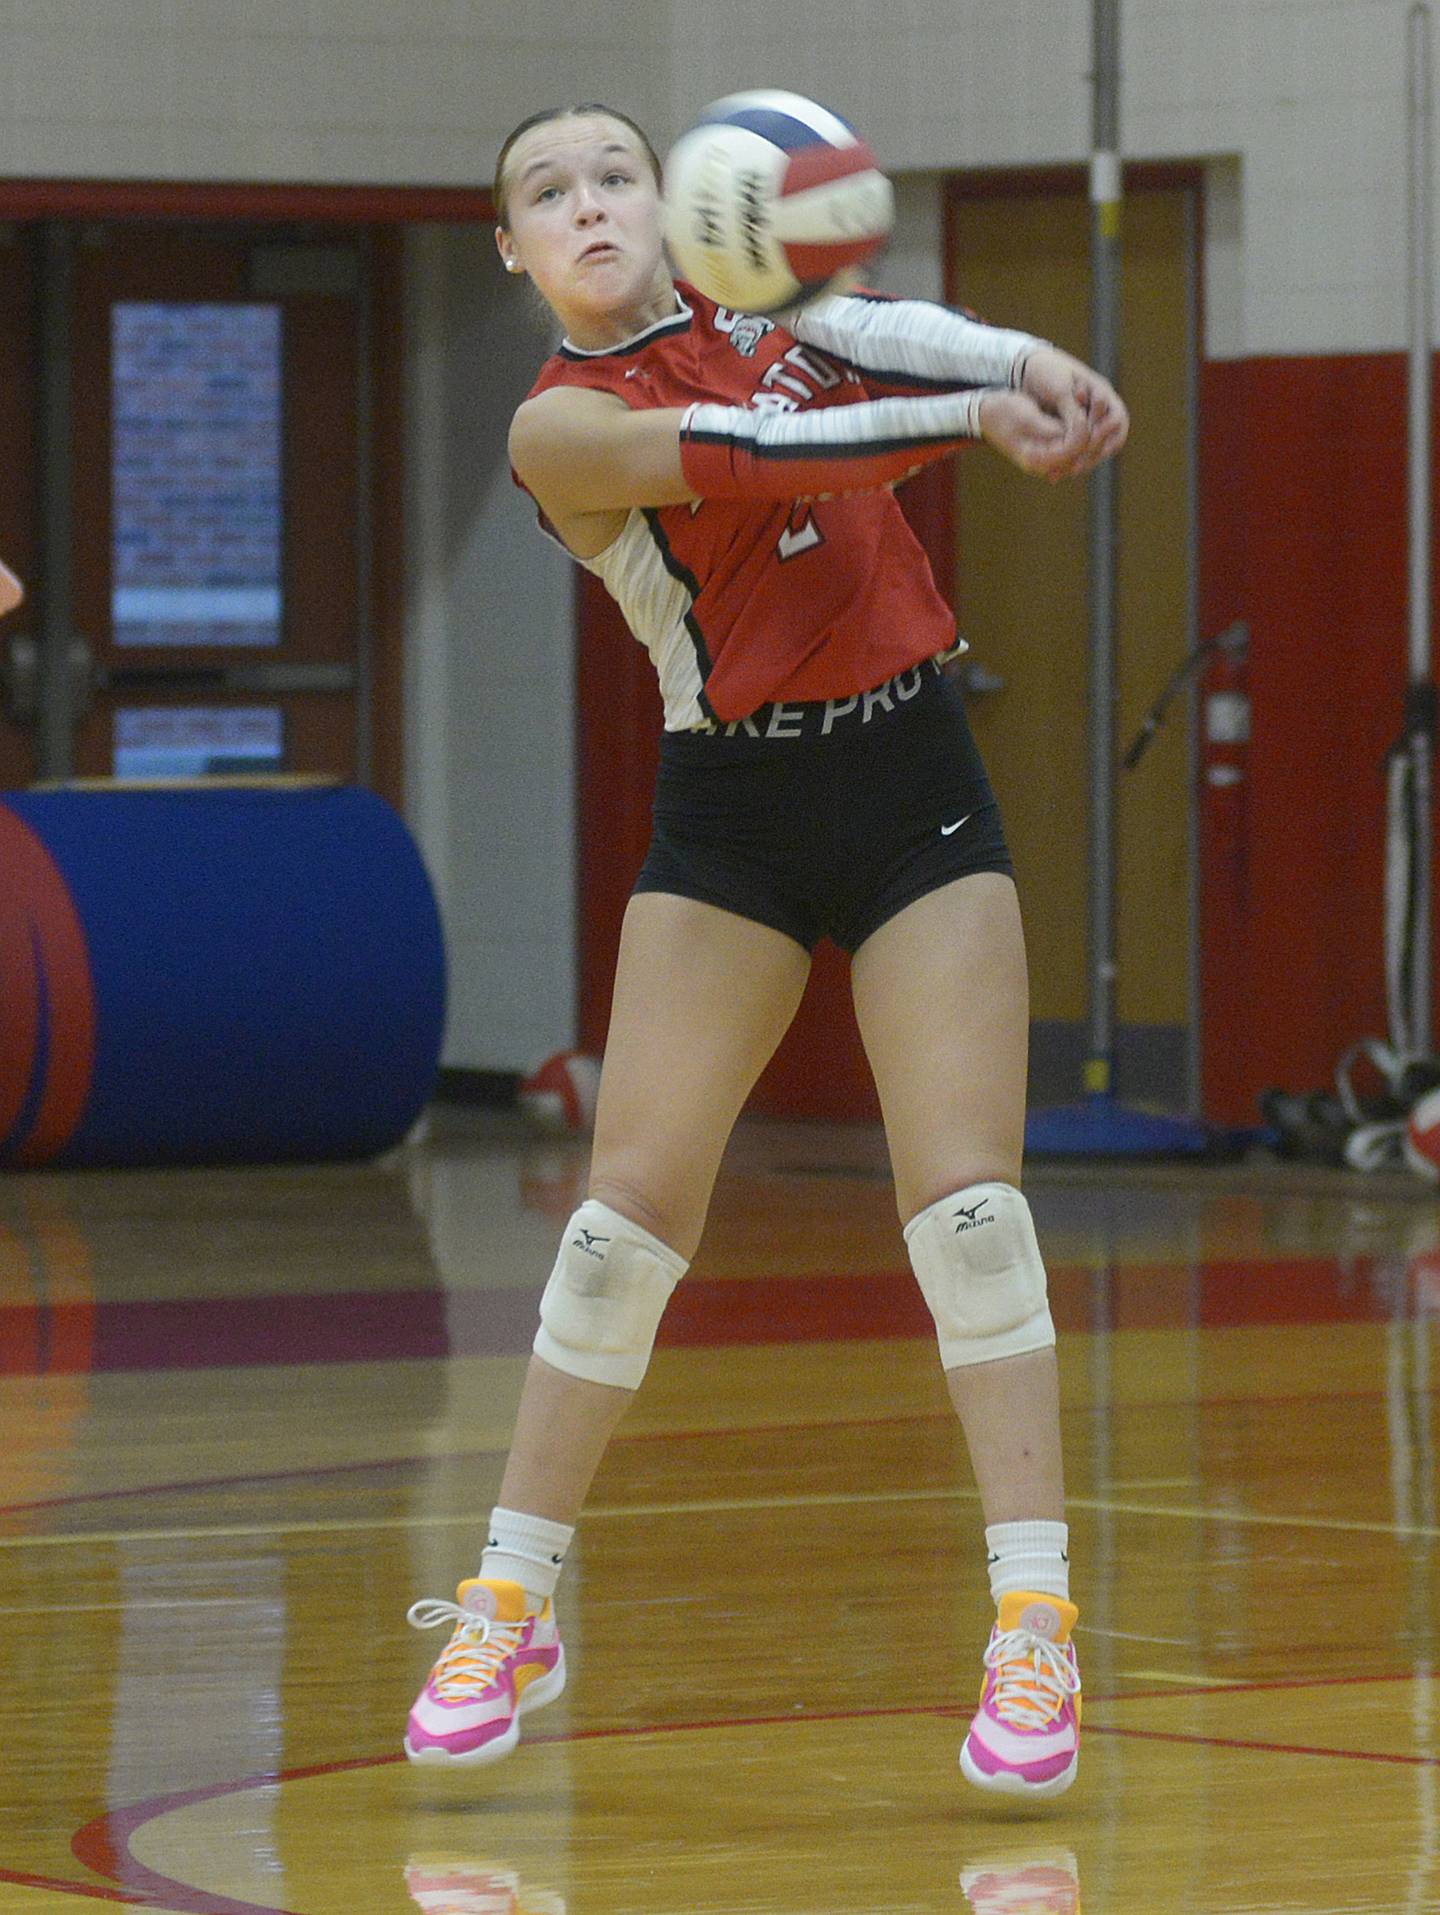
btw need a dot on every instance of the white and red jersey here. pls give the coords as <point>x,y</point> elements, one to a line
<point>742,602</point>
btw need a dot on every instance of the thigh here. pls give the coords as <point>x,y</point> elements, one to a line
<point>702,997</point>
<point>943,1006</point>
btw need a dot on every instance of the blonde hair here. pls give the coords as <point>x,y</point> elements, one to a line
<point>502,187</point>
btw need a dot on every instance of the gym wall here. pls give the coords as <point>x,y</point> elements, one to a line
<point>1294,108</point>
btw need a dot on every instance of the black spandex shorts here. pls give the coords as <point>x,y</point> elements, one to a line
<point>827,819</point>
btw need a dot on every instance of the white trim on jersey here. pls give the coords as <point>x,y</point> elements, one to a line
<point>904,339</point>
<point>655,605</point>
<point>628,345</point>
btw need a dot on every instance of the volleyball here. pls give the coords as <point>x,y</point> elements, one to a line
<point>768,197</point>
<point>560,1095</point>
<point>1422,1137</point>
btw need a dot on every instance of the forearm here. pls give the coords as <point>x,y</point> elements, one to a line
<point>11,590</point>
<point>911,344</point>
<point>734,452</point>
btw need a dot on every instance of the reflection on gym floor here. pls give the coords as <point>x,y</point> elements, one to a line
<point>250,1416</point>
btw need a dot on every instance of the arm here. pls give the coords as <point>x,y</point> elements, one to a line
<point>582,452</point>
<point>913,345</point>
<point>11,590</point>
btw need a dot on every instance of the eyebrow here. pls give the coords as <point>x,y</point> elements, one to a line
<point>549,159</point>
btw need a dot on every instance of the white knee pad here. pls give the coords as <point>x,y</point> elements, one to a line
<point>606,1295</point>
<point>979,1266</point>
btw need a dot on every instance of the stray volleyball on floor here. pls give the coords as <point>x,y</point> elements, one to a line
<point>559,1096</point>
<point>769,197</point>
<point>1422,1137</point>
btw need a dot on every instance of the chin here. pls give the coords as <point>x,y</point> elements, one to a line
<point>617,296</point>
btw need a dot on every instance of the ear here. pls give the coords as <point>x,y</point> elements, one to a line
<point>505,246</point>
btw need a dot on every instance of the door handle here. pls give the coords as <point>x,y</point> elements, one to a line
<point>272,680</point>
<point>20,676</point>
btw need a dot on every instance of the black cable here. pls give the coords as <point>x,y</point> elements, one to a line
<point>1235,639</point>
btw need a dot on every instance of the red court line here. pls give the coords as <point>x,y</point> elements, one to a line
<point>21,1880</point>
<point>1267,1748</point>
<point>189,1486</point>
<point>231,1482</point>
<point>103,1845</point>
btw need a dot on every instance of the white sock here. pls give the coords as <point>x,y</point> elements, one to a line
<point>1030,1556</point>
<point>529,1550</point>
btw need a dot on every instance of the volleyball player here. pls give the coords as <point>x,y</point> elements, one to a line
<point>729,480</point>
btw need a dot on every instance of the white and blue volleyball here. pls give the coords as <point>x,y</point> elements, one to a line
<point>768,198</point>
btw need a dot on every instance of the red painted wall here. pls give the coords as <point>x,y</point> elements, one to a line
<point>1303,535</point>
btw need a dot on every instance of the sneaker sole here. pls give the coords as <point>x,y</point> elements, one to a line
<point>1007,1782</point>
<point>534,1696</point>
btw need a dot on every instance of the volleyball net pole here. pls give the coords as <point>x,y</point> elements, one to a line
<point>1100,1125</point>
<point>1105,209</point>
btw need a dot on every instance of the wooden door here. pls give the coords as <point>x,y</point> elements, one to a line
<point>1021,258</point>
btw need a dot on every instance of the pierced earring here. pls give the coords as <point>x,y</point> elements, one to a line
<point>512,265</point>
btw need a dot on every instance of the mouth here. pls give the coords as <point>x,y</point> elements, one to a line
<point>601,249</point>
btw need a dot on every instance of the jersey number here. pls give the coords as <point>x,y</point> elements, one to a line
<point>801,533</point>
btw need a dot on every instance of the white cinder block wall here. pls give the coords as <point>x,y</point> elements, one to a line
<point>1299,104</point>
<point>489,747</point>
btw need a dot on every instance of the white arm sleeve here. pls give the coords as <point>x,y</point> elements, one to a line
<point>732,452</point>
<point>912,342</point>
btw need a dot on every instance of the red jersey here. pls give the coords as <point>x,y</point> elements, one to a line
<point>741,603</point>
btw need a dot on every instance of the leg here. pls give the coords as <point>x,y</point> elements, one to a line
<point>941,995</point>
<point>942,1000</point>
<point>702,998</point>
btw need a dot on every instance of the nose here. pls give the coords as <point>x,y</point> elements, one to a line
<point>588,205</point>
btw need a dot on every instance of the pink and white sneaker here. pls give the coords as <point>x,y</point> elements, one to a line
<point>500,1662</point>
<point>1026,1882</point>
<point>464,1885</point>
<point>1025,1738</point>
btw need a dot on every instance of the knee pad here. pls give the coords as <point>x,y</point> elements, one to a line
<point>979,1267</point>
<point>606,1295</point>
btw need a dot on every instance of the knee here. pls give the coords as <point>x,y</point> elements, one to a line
<point>606,1295</point>
<point>989,1166</point>
<point>646,1199</point>
<point>978,1264</point>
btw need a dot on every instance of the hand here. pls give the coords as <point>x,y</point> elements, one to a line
<point>11,590</point>
<point>1092,412</point>
<point>1028,436</point>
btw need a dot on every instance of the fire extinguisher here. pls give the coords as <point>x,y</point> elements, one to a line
<point>1225,729</point>
<point>1225,756</point>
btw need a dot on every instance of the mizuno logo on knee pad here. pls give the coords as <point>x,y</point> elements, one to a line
<point>587,1241</point>
<point>971,1219</point>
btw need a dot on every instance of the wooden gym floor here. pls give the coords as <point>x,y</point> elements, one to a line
<point>247,1417</point>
